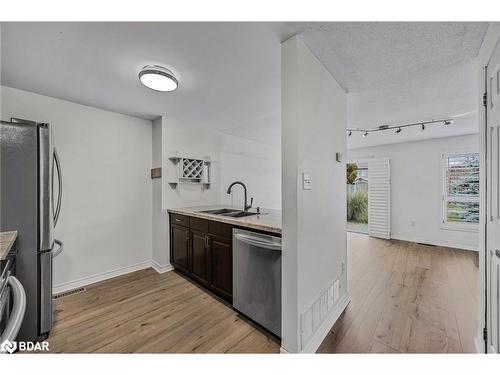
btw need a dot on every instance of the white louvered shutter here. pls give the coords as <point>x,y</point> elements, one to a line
<point>379,198</point>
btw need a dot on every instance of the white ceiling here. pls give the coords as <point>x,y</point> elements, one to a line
<point>449,93</point>
<point>370,55</point>
<point>229,72</point>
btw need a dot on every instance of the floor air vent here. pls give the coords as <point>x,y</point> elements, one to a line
<point>69,293</point>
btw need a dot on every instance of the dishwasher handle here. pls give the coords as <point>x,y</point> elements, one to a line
<point>257,241</point>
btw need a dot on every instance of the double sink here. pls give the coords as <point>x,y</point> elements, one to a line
<point>230,212</point>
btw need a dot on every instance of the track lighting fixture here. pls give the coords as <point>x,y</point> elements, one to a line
<point>399,128</point>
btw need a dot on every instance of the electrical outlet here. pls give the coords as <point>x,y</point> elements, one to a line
<point>336,290</point>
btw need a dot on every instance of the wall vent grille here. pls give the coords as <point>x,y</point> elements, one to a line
<point>69,293</point>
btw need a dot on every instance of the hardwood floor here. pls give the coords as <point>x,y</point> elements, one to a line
<point>152,313</point>
<point>407,298</point>
<point>404,298</point>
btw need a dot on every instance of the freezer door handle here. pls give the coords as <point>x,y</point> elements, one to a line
<point>57,164</point>
<point>257,241</point>
<point>60,249</point>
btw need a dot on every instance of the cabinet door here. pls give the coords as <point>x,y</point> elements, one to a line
<point>221,266</point>
<point>199,256</point>
<point>179,245</point>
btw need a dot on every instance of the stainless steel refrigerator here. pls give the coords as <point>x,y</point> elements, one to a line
<point>30,172</point>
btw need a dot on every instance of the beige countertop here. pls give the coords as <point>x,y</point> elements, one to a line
<point>7,239</point>
<point>268,221</point>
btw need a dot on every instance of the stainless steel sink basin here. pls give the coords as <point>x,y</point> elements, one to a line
<point>230,212</point>
<point>220,211</point>
<point>241,214</point>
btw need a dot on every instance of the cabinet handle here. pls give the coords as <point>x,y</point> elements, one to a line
<point>207,243</point>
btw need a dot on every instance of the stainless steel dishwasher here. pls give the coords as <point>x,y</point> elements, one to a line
<point>257,278</point>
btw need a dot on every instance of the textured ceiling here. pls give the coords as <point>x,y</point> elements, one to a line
<point>368,55</point>
<point>229,72</point>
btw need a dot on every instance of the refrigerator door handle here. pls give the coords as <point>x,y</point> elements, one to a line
<point>60,250</point>
<point>57,164</point>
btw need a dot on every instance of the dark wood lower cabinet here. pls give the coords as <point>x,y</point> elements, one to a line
<point>221,266</point>
<point>204,256</point>
<point>203,251</point>
<point>179,247</point>
<point>199,256</point>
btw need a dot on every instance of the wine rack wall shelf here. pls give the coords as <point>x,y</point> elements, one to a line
<point>189,170</point>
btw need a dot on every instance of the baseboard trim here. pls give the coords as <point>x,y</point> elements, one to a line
<point>84,281</point>
<point>437,243</point>
<point>283,350</point>
<point>320,334</point>
<point>161,268</point>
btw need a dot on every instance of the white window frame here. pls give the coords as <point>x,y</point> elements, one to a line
<point>450,225</point>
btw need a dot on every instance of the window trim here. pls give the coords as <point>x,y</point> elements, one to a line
<point>450,225</point>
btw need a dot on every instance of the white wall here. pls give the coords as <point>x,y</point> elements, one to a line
<point>417,189</point>
<point>257,165</point>
<point>451,92</point>
<point>178,137</point>
<point>314,222</point>
<point>160,218</point>
<point>233,158</point>
<point>106,214</point>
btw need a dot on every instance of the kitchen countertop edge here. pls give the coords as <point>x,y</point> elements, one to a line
<point>246,222</point>
<point>7,240</point>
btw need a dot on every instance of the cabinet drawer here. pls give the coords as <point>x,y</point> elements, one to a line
<point>220,229</point>
<point>199,224</point>
<point>179,220</point>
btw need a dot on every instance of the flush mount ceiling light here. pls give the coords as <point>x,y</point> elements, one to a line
<point>158,78</point>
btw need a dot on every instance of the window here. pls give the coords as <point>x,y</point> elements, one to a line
<point>461,191</point>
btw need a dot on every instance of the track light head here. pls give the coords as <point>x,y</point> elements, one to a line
<point>448,122</point>
<point>365,134</point>
<point>423,126</point>
<point>398,131</point>
<point>350,133</point>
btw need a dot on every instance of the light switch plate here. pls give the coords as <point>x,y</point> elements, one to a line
<point>306,181</point>
<point>338,157</point>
